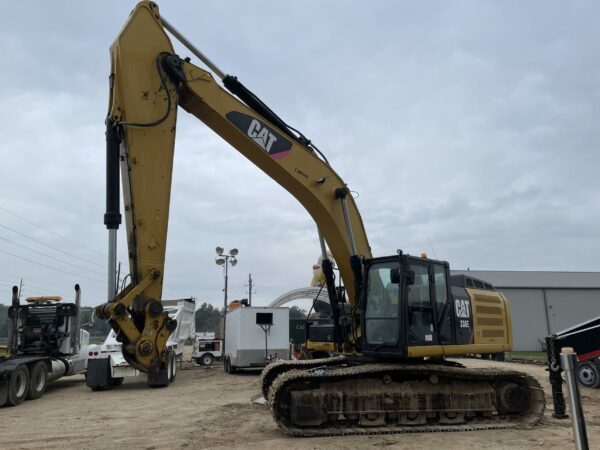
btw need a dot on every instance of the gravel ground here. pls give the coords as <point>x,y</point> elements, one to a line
<point>206,408</point>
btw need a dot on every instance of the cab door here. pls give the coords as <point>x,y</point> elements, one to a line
<point>420,307</point>
<point>443,302</point>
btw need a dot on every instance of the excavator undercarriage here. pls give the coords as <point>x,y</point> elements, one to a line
<point>315,398</point>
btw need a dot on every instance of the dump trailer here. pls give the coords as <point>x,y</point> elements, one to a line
<point>584,338</point>
<point>45,343</point>
<point>107,367</point>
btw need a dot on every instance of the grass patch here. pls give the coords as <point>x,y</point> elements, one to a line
<point>529,355</point>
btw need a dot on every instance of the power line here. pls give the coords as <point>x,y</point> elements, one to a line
<point>50,267</point>
<point>38,291</point>
<point>52,232</point>
<point>50,246</point>
<point>51,257</point>
<point>37,286</point>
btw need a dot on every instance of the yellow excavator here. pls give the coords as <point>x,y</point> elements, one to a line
<point>393,322</point>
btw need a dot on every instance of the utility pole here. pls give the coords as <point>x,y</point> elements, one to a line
<point>249,285</point>
<point>20,288</point>
<point>225,259</point>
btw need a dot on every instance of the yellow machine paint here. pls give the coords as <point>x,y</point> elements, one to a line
<point>143,102</point>
<point>370,386</point>
<point>142,94</point>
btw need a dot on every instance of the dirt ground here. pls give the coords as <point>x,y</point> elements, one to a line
<point>206,408</point>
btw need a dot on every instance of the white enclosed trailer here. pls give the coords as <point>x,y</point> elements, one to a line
<point>254,336</point>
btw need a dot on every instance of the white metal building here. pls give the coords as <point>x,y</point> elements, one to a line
<point>543,303</point>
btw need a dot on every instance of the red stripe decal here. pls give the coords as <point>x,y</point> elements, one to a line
<point>589,355</point>
<point>280,155</point>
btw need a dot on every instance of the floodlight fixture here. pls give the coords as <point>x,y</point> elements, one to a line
<point>233,252</point>
<point>219,250</point>
<point>220,261</point>
<point>233,261</point>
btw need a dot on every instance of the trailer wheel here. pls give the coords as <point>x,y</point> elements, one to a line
<point>228,367</point>
<point>117,381</point>
<point>169,367</point>
<point>173,367</point>
<point>206,359</point>
<point>38,380</point>
<point>18,386</point>
<point>588,375</point>
<point>231,369</point>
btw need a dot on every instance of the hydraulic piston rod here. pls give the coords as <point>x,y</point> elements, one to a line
<point>112,218</point>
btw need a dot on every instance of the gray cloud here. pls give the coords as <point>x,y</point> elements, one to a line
<point>467,128</point>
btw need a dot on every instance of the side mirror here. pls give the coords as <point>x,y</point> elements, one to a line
<point>410,277</point>
<point>395,276</point>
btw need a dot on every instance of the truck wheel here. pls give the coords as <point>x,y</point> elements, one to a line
<point>18,386</point>
<point>206,359</point>
<point>38,380</point>
<point>588,375</point>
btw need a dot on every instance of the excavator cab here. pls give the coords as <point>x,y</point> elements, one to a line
<point>407,304</point>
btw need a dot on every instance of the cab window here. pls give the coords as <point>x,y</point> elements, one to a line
<point>420,310</point>
<point>441,292</point>
<point>382,326</point>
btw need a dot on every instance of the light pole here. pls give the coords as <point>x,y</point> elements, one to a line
<point>225,259</point>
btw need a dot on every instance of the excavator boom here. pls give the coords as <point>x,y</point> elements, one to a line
<point>148,81</point>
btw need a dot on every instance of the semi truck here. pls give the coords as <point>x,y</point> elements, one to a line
<point>45,343</point>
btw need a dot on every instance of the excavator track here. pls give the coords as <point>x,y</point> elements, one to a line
<point>273,370</point>
<point>402,398</point>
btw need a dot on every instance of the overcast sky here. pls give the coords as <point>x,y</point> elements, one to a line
<point>469,130</point>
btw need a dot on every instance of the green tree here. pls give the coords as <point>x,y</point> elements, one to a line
<point>208,318</point>
<point>297,313</point>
